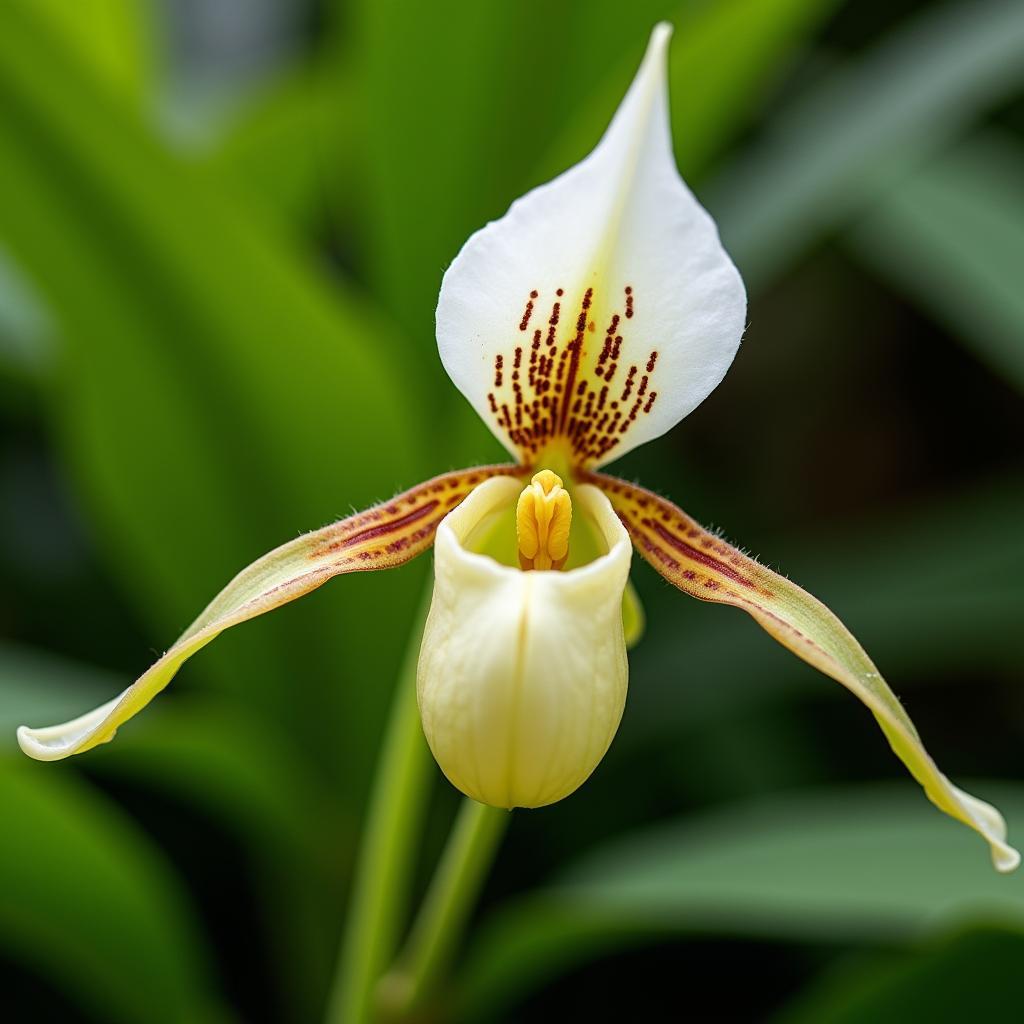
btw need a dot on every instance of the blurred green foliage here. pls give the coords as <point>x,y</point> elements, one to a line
<point>810,866</point>
<point>956,977</point>
<point>213,339</point>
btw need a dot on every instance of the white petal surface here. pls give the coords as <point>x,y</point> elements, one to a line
<point>602,307</point>
<point>522,675</point>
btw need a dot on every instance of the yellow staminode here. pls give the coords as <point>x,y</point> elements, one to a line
<point>543,518</point>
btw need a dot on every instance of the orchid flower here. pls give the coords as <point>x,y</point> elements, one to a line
<point>590,319</point>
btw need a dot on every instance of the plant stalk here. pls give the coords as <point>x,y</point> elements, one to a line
<point>386,855</point>
<point>439,925</point>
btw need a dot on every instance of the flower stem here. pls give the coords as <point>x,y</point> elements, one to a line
<point>390,840</point>
<point>453,891</point>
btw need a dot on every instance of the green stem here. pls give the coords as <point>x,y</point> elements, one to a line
<point>390,840</point>
<point>453,891</point>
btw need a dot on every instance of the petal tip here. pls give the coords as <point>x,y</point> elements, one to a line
<point>661,35</point>
<point>655,61</point>
<point>31,746</point>
<point>55,742</point>
<point>1005,858</point>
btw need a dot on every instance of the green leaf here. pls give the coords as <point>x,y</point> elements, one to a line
<point>974,975</point>
<point>725,56</point>
<point>200,752</point>
<point>25,331</point>
<point>863,863</point>
<point>848,136</point>
<point>296,834</point>
<point>203,750</point>
<point>219,394</point>
<point>854,865</point>
<point>91,906</point>
<point>952,237</point>
<point>291,146</point>
<point>113,36</point>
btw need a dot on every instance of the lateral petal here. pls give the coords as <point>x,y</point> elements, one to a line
<point>382,537</point>
<point>703,565</point>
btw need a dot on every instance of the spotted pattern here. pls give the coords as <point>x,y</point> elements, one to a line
<point>395,531</point>
<point>559,378</point>
<point>703,565</point>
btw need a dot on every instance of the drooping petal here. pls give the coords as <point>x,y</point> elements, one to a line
<point>704,566</point>
<point>602,308</point>
<point>522,675</point>
<point>382,537</point>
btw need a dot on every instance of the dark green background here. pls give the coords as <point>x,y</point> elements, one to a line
<point>222,230</point>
